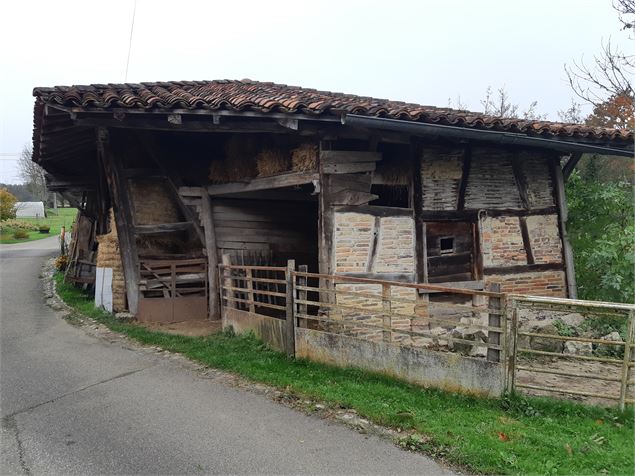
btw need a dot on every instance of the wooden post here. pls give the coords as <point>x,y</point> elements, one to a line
<point>212,256</point>
<point>227,281</point>
<point>567,253</point>
<point>290,301</point>
<point>494,320</point>
<point>250,290</point>
<point>628,357</point>
<point>122,203</point>
<point>386,306</point>
<point>302,294</point>
<point>510,348</point>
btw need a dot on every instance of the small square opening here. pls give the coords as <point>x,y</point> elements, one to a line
<point>446,245</point>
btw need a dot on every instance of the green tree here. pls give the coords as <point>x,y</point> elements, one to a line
<point>7,204</point>
<point>602,231</point>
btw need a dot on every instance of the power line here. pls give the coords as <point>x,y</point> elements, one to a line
<point>134,11</point>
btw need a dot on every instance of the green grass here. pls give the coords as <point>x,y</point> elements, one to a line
<point>513,435</point>
<point>64,217</point>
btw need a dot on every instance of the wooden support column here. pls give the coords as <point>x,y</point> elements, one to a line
<point>421,261</point>
<point>567,252</point>
<point>121,203</point>
<point>207,220</point>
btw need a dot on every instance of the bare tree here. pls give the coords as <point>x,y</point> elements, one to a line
<point>500,105</point>
<point>32,174</point>
<point>626,12</point>
<point>611,72</point>
<point>573,114</point>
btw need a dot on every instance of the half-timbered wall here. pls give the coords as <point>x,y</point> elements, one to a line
<point>509,195</point>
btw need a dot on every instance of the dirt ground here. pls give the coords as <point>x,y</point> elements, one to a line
<point>200,328</point>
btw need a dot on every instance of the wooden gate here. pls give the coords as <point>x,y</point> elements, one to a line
<point>173,290</point>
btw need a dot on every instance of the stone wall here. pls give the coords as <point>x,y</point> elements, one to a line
<point>109,256</point>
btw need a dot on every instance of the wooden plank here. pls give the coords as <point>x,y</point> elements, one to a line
<point>121,201</point>
<point>264,183</point>
<point>160,228</point>
<point>349,168</point>
<point>331,157</point>
<point>207,220</point>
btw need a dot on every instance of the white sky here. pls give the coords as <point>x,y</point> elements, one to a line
<point>420,51</point>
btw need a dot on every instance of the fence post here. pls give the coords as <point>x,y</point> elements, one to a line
<point>628,357</point>
<point>226,281</point>
<point>302,293</point>
<point>494,320</point>
<point>387,312</point>
<point>290,318</point>
<point>250,290</point>
<point>510,346</point>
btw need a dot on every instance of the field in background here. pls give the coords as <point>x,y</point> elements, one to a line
<point>64,217</point>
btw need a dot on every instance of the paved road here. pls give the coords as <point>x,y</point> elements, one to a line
<point>73,403</point>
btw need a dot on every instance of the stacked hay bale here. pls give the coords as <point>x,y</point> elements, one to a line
<point>304,158</point>
<point>109,256</point>
<point>238,163</point>
<point>272,161</point>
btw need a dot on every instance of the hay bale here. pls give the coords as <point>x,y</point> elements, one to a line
<point>239,161</point>
<point>153,203</point>
<point>109,256</point>
<point>272,162</point>
<point>304,158</point>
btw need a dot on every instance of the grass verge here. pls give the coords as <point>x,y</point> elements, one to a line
<point>64,217</point>
<point>514,435</point>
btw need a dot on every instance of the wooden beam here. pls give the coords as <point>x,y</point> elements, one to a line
<point>264,183</point>
<point>522,268</point>
<point>349,168</point>
<point>569,167</point>
<point>401,277</point>
<point>335,157</point>
<point>524,231</point>
<point>160,228</point>
<point>521,182</point>
<point>121,202</point>
<point>207,220</point>
<point>567,252</point>
<point>421,264</point>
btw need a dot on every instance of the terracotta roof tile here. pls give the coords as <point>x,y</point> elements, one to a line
<point>247,95</point>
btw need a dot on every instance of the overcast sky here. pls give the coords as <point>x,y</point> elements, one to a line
<point>417,51</point>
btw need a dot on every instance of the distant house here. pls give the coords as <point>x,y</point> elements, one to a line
<point>29,210</point>
<point>173,177</point>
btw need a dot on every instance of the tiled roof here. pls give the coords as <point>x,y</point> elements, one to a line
<point>247,95</point>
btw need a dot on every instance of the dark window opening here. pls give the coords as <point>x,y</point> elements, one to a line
<point>446,245</point>
<point>391,195</point>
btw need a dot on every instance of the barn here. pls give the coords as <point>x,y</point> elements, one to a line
<point>174,178</point>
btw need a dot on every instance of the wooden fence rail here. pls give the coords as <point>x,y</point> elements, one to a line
<point>486,325</point>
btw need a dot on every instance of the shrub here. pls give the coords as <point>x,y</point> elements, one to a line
<point>20,234</point>
<point>61,262</point>
<point>18,225</point>
<point>44,228</point>
<point>7,204</point>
